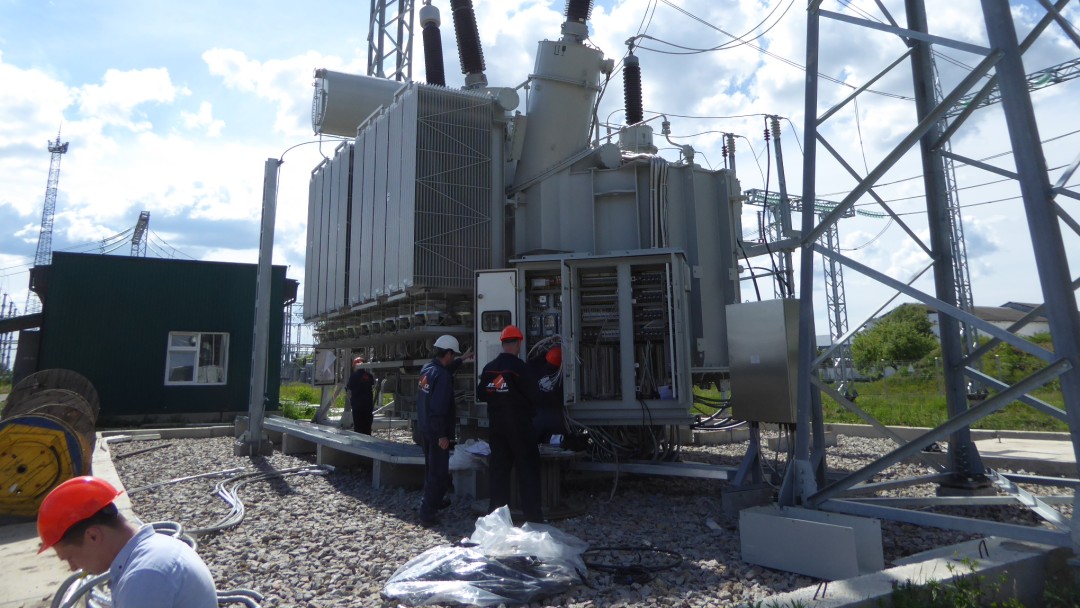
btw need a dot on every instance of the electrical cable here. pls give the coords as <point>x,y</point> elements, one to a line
<point>782,59</point>
<point>750,268</point>
<point>986,158</point>
<point>631,564</point>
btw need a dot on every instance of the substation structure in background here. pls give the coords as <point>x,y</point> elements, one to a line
<point>964,475</point>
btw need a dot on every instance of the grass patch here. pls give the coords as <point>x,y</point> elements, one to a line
<point>971,590</point>
<point>910,400</point>
<point>298,411</point>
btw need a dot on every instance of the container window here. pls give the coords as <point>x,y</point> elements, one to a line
<point>197,358</point>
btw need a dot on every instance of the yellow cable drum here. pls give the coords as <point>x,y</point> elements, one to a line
<point>37,452</point>
<point>47,436</point>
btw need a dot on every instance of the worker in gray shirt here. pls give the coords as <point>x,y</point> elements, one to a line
<point>80,521</point>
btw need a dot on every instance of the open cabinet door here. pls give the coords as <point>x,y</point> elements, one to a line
<point>496,307</point>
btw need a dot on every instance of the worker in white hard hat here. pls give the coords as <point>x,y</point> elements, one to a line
<point>436,422</point>
<point>361,389</point>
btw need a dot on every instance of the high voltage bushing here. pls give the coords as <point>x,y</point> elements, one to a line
<point>433,57</point>
<point>632,90</point>
<point>468,37</point>
<point>578,10</point>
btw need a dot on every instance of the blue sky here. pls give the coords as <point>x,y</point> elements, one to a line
<point>173,107</point>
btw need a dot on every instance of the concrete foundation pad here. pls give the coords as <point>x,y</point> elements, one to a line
<point>814,543</point>
<point>1018,569</point>
<point>390,475</point>
<point>721,436</point>
<point>291,444</point>
<point>325,454</point>
<point>781,443</point>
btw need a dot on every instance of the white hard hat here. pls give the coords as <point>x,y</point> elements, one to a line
<point>448,343</point>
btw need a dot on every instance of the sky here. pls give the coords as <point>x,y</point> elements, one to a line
<point>173,108</point>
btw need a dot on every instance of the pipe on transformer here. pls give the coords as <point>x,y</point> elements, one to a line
<point>562,91</point>
<point>433,56</point>
<point>470,54</point>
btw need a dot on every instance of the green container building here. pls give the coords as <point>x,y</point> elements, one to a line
<point>161,340</point>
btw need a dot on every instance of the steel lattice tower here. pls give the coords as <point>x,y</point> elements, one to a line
<point>43,257</point>
<point>390,39</point>
<point>138,237</point>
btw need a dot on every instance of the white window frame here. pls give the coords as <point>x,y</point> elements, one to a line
<point>170,350</point>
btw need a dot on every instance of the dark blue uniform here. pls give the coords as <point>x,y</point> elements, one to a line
<point>549,416</point>
<point>436,418</point>
<point>510,389</point>
<point>361,387</point>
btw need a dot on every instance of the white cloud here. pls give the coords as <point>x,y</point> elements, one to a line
<point>286,83</point>
<point>203,119</point>
<point>114,101</point>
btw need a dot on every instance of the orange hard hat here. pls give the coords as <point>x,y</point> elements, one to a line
<point>509,333</point>
<point>554,356</point>
<point>357,361</point>
<point>69,503</point>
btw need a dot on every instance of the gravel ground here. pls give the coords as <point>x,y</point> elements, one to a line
<point>331,540</point>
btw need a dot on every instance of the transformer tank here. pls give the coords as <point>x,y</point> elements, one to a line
<point>452,212</point>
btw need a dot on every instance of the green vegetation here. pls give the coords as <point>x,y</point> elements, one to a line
<point>299,400</point>
<point>5,387</point>
<point>970,590</point>
<point>298,411</point>
<point>905,334</point>
<point>299,392</point>
<point>914,393</point>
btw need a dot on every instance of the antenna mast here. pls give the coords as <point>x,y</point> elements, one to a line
<point>43,257</point>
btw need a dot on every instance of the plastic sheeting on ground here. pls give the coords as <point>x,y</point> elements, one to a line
<point>498,564</point>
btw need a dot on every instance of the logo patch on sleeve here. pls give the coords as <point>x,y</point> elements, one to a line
<point>498,385</point>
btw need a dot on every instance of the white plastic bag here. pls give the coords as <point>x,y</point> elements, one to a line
<point>496,535</point>
<point>464,456</point>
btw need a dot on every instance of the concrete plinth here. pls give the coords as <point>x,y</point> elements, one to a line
<point>813,543</point>
<point>291,444</point>
<point>325,454</point>
<point>723,436</point>
<point>260,447</point>
<point>390,475</point>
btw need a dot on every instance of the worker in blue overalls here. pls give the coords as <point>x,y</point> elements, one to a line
<point>511,392</point>
<point>436,418</point>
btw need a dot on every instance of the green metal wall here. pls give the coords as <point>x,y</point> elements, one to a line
<point>109,318</point>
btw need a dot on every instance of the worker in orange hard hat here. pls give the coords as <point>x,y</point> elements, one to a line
<point>510,389</point>
<point>361,389</point>
<point>80,521</point>
<point>549,420</point>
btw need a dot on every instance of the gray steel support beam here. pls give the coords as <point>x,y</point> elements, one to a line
<point>950,522</point>
<point>800,481</point>
<point>1046,239</point>
<point>962,315</point>
<point>868,419</point>
<point>880,201</point>
<point>1037,404</point>
<point>963,456</point>
<point>965,419</point>
<point>254,441</point>
<point>909,34</point>
<point>927,123</point>
<point>1037,311</point>
<point>851,332</point>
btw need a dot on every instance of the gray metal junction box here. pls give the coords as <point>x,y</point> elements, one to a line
<point>763,345</point>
